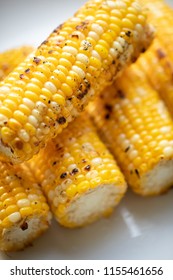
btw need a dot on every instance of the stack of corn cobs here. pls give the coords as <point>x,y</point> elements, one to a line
<point>61,153</point>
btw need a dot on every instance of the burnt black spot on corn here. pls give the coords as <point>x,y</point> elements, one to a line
<point>87,168</point>
<point>21,76</point>
<point>127,149</point>
<point>24,226</point>
<point>27,70</point>
<point>160,53</point>
<point>74,171</point>
<point>61,120</point>
<point>108,107</point>
<point>36,60</point>
<point>107,116</point>
<point>63,175</point>
<point>137,173</point>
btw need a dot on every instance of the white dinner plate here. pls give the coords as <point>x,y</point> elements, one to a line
<point>140,228</point>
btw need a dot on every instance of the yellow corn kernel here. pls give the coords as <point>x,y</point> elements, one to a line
<point>11,209</point>
<point>5,111</point>
<point>2,214</point>
<point>60,210</point>
<point>26,211</point>
<point>77,61</point>
<point>20,116</point>
<point>7,134</point>
<point>83,186</point>
<point>6,223</point>
<point>36,205</point>
<point>59,99</point>
<point>9,201</point>
<point>71,190</point>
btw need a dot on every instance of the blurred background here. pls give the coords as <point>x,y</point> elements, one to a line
<point>30,22</point>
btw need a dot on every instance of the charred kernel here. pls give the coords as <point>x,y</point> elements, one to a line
<point>160,53</point>
<point>128,33</point>
<point>108,107</point>
<point>27,70</point>
<point>19,144</point>
<point>120,94</point>
<point>36,60</point>
<point>74,171</point>
<point>63,175</point>
<point>24,226</point>
<point>50,52</point>
<point>61,120</point>
<point>137,173</point>
<point>107,116</point>
<point>87,168</point>
<point>127,149</point>
<point>75,36</point>
<point>81,95</point>
<point>21,76</point>
<point>82,26</point>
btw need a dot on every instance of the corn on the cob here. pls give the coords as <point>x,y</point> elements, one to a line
<point>158,67</point>
<point>160,15</point>
<point>138,129</point>
<point>24,213</point>
<point>157,62</point>
<point>45,92</point>
<point>11,58</point>
<point>78,175</point>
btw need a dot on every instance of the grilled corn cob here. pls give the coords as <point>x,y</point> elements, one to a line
<point>138,130</point>
<point>157,62</point>
<point>11,58</point>
<point>160,15</point>
<point>95,167</point>
<point>158,67</point>
<point>24,213</point>
<point>78,175</point>
<point>48,90</point>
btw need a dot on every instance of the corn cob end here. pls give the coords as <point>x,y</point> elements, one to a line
<point>91,205</point>
<point>22,233</point>
<point>158,180</point>
<point>24,213</point>
<point>78,175</point>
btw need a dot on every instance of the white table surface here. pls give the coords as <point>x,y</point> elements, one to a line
<point>140,228</point>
